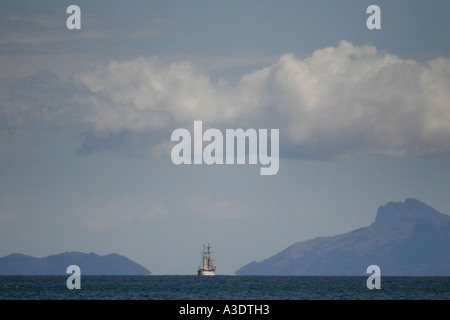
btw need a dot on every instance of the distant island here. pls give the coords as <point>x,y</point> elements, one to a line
<point>89,263</point>
<point>407,238</point>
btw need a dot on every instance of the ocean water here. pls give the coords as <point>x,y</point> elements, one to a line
<point>155,287</point>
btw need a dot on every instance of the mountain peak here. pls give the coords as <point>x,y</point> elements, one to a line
<point>411,209</point>
<point>407,238</point>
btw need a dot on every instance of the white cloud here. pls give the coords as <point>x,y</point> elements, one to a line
<point>353,100</point>
<point>340,102</point>
<point>144,95</point>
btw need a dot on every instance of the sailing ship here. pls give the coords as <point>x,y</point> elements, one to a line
<point>207,268</point>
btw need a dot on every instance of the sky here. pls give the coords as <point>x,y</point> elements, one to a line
<point>86,117</point>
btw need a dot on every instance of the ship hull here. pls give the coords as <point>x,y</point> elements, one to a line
<point>202,272</point>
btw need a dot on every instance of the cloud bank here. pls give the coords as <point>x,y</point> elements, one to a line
<point>340,102</point>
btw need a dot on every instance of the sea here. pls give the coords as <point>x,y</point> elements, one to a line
<point>223,287</point>
<point>222,297</point>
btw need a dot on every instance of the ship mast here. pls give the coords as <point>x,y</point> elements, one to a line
<point>207,261</point>
<point>204,258</point>
<point>210,263</point>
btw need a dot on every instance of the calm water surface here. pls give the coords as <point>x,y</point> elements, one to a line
<point>223,288</point>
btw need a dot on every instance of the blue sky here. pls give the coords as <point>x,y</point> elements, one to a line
<point>86,117</point>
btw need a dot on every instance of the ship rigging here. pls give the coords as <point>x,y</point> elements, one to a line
<point>207,268</point>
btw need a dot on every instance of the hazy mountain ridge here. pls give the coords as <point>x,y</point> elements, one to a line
<point>89,263</point>
<point>409,238</point>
